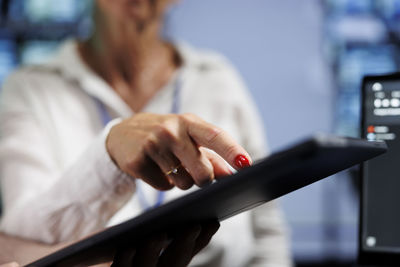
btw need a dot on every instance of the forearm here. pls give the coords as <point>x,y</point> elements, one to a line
<point>23,251</point>
<point>80,202</point>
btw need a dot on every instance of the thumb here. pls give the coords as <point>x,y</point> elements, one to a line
<point>221,167</point>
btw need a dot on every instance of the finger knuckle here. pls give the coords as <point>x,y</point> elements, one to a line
<point>204,174</point>
<point>188,117</point>
<point>166,132</point>
<point>212,134</point>
<point>230,150</point>
<point>133,166</point>
<point>182,147</point>
<point>150,145</point>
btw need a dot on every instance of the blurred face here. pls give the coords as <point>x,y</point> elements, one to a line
<point>134,11</point>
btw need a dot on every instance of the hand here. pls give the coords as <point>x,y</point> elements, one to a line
<point>150,146</point>
<point>157,251</point>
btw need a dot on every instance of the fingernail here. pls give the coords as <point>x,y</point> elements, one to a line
<point>242,162</point>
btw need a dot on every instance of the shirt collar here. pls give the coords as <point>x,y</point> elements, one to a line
<point>71,66</point>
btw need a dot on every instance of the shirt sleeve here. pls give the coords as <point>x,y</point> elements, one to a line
<point>41,203</point>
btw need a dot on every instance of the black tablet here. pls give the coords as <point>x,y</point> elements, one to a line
<point>282,172</point>
<point>379,235</point>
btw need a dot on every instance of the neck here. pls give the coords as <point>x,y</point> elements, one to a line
<point>128,53</point>
<point>131,60</point>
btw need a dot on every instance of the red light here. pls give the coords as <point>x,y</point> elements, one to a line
<point>371,129</point>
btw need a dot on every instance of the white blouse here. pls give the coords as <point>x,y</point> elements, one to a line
<point>59,183</point>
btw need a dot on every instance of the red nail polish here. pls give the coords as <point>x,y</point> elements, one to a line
<point>241,162</point>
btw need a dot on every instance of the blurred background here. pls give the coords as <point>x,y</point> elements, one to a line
<point>302,60</point>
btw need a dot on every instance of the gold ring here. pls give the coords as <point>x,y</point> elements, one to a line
<point>174,170</point>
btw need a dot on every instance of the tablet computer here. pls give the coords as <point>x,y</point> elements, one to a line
<point>379,233</point>
<point>292,168</point>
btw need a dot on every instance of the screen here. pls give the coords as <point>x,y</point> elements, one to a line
<point>36,11</point>
<point>380,229</point>
<point>8,59</point>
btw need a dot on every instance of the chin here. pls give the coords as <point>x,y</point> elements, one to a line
<point>138,11</point>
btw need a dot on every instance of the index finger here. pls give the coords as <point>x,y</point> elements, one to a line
<point>210,136</point>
